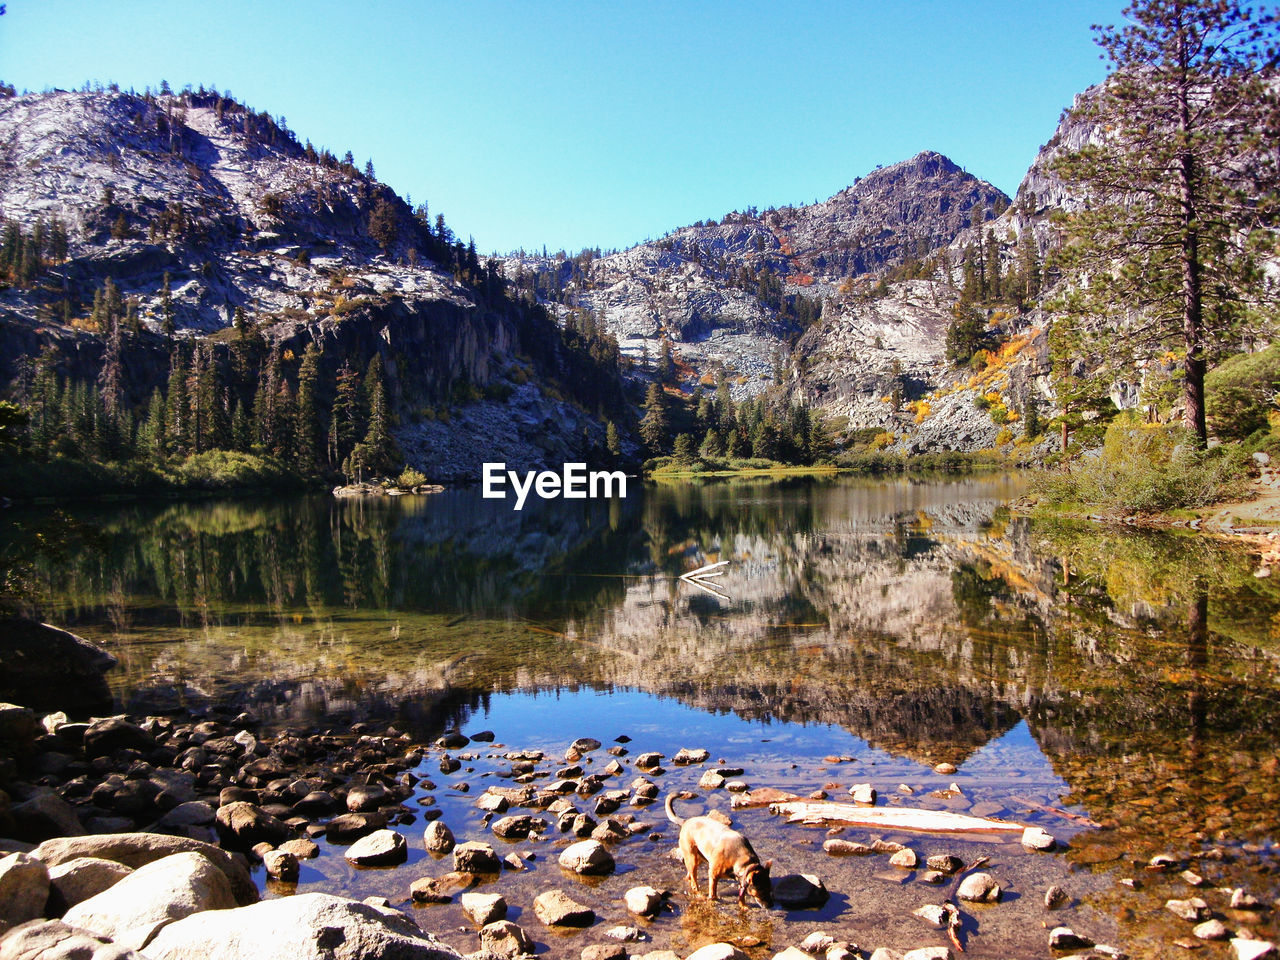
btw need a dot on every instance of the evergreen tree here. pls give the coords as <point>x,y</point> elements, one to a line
<point>345,423</point>
<point>167,322</point>
<point>654,426</point>
<point>683,449</point>
<point>178,407</point>
<point>666,372</point>
<point>380,454</point>
<point>612,442</point>
<point>1180,190</point>
<point>711,446</point>
<point>307,430</point>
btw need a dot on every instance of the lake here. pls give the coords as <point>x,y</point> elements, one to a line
<point>1116,687</point>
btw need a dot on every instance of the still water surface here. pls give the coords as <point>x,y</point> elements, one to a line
<point>1075,674</point>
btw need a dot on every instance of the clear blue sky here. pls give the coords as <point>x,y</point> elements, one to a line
<point>575,124</point>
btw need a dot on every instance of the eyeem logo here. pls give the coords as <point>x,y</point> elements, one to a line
<point>572,483</point>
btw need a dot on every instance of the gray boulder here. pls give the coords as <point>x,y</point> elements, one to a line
<point>503,938</point>
<point>42,817</point>
<point>55,940</point>
<point>556,908</point>
<point>47,668</point>
<point>385,848</point>
<point>799,891</point>
<point>243,826</point>
<point>138,849</point>
<point>310,926</point>
<point>476,857</point>
<point>133,909</point>
<point>82,878</point>
<point>587,858</point>
<point>24,888</point>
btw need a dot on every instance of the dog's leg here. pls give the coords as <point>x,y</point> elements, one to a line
<point>691,869</point>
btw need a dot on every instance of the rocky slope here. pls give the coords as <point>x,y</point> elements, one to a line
<point>729,293</point>
<point>240,216</point>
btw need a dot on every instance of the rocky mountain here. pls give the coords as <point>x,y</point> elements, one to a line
<point>234,213</point>
<point>737,292</point>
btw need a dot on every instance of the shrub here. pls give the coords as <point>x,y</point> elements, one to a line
<point>1241,391</point>
<point>230,469</point>
<point>410,478</point>
<point>1147,468</point>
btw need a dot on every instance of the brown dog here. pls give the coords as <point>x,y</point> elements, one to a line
<point>726,852</point>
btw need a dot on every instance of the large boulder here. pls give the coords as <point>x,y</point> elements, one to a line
<point>19,728</point>
<point>55,940</point>
<point>46,668</point>
<point>309,926</point>
<point>110,734</point>
<point>133,909</point>
<point>502,938</point>
<point>476,857</point>
<point>24,888</point>
<point>588,858</point>
<point>138,849</point>
<point>41,817</point>
<point>242,826</point>
<point>385,848</point>
<point>82,878</point>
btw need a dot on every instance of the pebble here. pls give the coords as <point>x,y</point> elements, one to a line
<point>1192,910</point>
<point>1210,930</point>
<point>945,769</point>
<point>643,901</point>
<point>1055,897</point>
<point>1064,938</point>
<point>979,887</point>
<point>905,858</point>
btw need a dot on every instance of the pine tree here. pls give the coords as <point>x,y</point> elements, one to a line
<point>683,449</point>
<point>380,455</point>
<point>653,426</point>
<point>178,412</point>
<point>666,372</point>
<point>345,423</point>
<point>612,442</point>
<point>307,431</point>
<point>1180,189</point>
<point>711,446</point>
<point>167,323</point>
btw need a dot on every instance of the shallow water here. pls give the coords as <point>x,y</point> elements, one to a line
<point>1072,673</point>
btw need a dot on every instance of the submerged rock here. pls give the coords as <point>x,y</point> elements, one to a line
<point>798,891</point>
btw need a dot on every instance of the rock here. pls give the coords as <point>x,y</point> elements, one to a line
<point>44,816</point>
<point>842,951</point>
<point>317,803</point>
<point>242,825</point>
<point>884,953</point>
<point>492,803</point>
<point>614,951</point>
<point>736,786</point>
<point>945,769</point>
<point>484,908</point>
<point>1192,910</point>
<point>439,889</point>
<point>1210,930</point>
<point>1244,901</point>
<point>717,951</point>
<point>55,940</point>
<point>979,887</point>
<point>300,848</point>
<point>24,888</point>
<point>1162,861</point>
<point>111,734</point>
<point>797,891</point>
<point>475,857</point>
<point>484,736</point>
<point>944,863</point>
<point>934,877</point>
<point>438,838</point>
<point>643,901</point>
<point>453,740</point>
<point>934,915</point>
<point>587,858</point>
<point>502,938</point>
<point>817,943</point>
<point>1193,879</point>
<point>363,797</point>
<point>383,848</point>
<point>905,858</point>
<point>19,726</point>
<point>309,926</point>
<point>686,756</point>
<point>1064,938</point>
<point>611,831</point>
<point>138,849</point>
<point>515,828</point>
<point>555,908</point>
<point>837,847</point>
<point>791,953</point>
<point>624,934</point>
<point>350,827</point>
<point>648,761</point>
<point>1033,838</point>
<point>585,745</point>
<point>711,780</point>
<point>928,953</point>
<point>133,909</point>
<point>282,866</point>
<point>80,879</point>
<point>46,668</point>
<point>1055,897</point>
<point>863,793</point>
<point>1243,949</point>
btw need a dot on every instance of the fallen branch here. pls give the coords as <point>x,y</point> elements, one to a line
<point>891,818</point>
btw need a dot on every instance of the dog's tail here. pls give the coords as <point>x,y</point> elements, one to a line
<point>671,814</point>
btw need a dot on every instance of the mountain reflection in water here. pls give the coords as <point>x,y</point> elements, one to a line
<point>918,617</point>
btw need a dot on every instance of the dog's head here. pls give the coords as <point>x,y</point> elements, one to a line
<point>755,881</point>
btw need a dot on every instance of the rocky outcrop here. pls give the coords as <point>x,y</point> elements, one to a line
<point>47,668</point>
<point>310,926</point>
